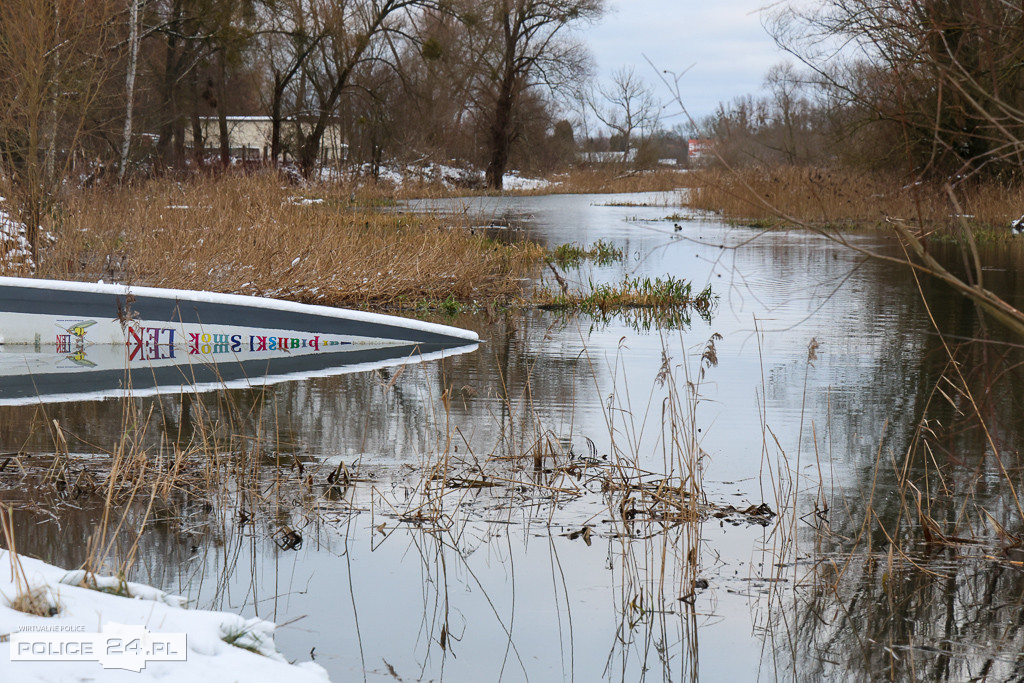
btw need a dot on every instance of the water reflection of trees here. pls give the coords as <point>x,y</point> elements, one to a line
<point>880,620</point>
<point>918,579</point>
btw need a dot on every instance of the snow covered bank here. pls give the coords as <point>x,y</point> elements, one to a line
<point>450,177</point>
<point>513,181</point>
<point>15,250</point>
<point>101,628</point>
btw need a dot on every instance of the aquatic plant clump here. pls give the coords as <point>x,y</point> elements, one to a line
<point>668,301</point>
<point>572,255</point>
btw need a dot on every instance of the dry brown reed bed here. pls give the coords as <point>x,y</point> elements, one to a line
<point>606,180</point>
<point>585,179</point>
<point>845,198</point>
<point>580,180</point>
<point>256,235</point>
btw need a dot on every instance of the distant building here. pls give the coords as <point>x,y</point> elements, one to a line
<point>700,150</point>
<point>249,138</point>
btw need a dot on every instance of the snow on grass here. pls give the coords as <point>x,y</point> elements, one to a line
<point>513,181</point>
<point>450,177</point>
<point>15,250</point>
<point>220,646</point>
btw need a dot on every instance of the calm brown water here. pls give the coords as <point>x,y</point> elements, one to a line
<point>494,587</point>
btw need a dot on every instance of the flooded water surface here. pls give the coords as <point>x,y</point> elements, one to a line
<point>773,493</point>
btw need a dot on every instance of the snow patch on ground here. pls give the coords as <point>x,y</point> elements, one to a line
<point>210,656</point>
<point>305,201</point>
<point>451,177</point>
<point>513,181</point>
<point>15,250</point>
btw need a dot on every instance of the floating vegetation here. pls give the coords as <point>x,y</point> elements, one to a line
<point>449,306</point>
<point>666,301</point>
<point>769,223</point>
<point>571,254</point>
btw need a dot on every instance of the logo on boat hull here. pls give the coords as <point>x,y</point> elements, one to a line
<point>71,340</point>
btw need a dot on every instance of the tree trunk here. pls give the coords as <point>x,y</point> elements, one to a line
<point>225,140</point>
<point>165,144</point>
<point>502,134</point>
<point>310,148</point>
<point>222,118</point>
<point>198,131</point>
<point>133,61</point>
<point>51,134</point>
<point>275,119</point>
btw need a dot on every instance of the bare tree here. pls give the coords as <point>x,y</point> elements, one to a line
<point>354,32</point>
<point>436,69</point>
<point>524,44</point>
<point>131,71</point>
<point>287,39</point>
<point>942,75</point>
<point>628,107</point>
<point>175,23</point>
<point>54,63</point>
<point>789,112</point>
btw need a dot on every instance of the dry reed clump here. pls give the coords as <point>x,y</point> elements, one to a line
<point>254,235</point>
<point>608,179</point>
<point>35,600</point>
<point>845,198</point>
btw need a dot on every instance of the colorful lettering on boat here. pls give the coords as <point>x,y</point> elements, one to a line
<point>160,343</point>
<point>149,343</point>
<point>211,344</point>
<point>64,343</point>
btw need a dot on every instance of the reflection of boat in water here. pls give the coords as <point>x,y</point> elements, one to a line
<point>63,340</point>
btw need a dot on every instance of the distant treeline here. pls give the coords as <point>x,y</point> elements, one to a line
<point>930,88</point>
<point>122,86</point>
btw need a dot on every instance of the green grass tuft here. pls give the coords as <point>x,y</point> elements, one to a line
<point>571,255</point>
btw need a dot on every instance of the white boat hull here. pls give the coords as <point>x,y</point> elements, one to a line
<point>60,340</point>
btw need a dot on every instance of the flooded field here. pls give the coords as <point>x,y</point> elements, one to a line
<point>799,487</point>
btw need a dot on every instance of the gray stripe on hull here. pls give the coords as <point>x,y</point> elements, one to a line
<point>156,309</point>
<point>147,377</point>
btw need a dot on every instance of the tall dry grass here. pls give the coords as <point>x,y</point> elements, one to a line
<point>257,235</point>
<point>609,179</point>
<point>585,179</point>
<point>847,198</point>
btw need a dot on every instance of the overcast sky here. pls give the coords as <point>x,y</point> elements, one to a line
<point>723,39</point>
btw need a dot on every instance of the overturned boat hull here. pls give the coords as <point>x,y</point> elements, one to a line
<point>59,340</point>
